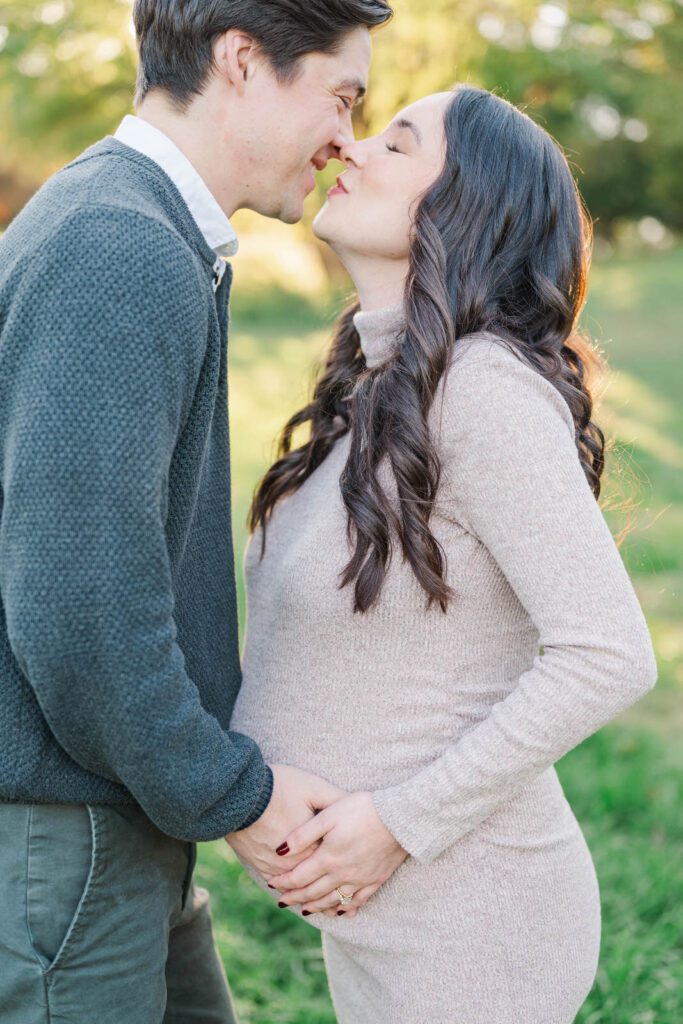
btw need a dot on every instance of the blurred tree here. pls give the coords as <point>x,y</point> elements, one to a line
<point>67,71</point>
<point>605,77</point>
<point>606,80</point>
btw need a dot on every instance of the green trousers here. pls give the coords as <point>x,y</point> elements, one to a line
<point>100,922</point>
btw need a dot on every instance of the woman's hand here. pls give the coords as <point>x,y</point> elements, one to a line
<point>357,854</point>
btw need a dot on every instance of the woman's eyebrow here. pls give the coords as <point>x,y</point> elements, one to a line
<point>404,123</point>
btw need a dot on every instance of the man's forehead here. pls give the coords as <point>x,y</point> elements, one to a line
<point>351,63</point>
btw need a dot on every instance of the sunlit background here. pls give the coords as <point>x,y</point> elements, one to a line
<point>606,79</point>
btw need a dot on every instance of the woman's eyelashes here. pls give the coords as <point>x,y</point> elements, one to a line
<point>392,148</point>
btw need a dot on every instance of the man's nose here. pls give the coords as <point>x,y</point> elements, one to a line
<point>344,137</point>
<point>345,133</point>
<point>352,153</point>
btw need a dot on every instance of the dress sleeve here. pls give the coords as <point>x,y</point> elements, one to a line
<point>516,483</point>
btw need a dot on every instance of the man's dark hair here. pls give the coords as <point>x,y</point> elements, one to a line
<point>176,37</point>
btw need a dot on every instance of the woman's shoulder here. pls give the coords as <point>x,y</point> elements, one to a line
<point>488,383</point>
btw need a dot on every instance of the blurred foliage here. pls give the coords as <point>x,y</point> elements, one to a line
<point>604,77</point>
<point>67,69</point>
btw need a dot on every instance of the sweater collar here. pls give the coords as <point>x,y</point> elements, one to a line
<point>380,332</point>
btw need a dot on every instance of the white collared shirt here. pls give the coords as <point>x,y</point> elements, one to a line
<point>211,220</point>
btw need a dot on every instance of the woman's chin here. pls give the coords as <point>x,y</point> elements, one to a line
<point>324,224</point>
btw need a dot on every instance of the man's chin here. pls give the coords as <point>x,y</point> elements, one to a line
<point>290,217</point>
<point>291,211</point>
<point>287,211</point>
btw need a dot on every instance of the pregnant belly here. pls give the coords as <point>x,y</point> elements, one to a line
<point>528,857</point>
<point>371,750</point>
<point>355,747</point>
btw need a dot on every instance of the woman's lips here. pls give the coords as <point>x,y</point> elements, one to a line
<point>339,189</point>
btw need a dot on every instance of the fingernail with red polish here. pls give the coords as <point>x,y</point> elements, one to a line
<point>282,905</point>
<point>282,850</point>
<point>306,913</point>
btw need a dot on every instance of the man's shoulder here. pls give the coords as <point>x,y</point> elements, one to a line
<point>111,177</point>
<point>104,202</point>
<point>119,231</point>
<point>106,237</point>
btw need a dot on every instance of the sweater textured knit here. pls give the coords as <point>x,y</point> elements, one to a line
<point>119,661</point>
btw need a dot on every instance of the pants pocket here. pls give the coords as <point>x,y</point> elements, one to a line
<point>60,860</point>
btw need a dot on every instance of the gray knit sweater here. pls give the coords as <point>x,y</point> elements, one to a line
<point>119,661</point>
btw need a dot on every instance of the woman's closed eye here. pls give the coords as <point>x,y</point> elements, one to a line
<point>392,148</point>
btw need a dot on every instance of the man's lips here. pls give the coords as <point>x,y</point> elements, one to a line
<point>316,164</point>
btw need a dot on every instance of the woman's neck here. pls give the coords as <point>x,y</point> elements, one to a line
<point>380,282</point>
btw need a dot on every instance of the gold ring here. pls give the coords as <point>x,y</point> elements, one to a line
<point>344,897</point>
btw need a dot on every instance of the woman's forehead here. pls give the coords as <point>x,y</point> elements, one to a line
<point>428,109</point>
<point>427,114</point>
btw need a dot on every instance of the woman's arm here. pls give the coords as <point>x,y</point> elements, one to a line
<point>515,481</point>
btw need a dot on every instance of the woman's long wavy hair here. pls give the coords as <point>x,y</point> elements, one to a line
<point>501,244</point>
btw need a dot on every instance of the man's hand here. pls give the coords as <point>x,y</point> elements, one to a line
<point>297,796</point>
<point>357,855</point>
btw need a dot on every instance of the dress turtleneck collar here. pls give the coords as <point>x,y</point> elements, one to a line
<point>380,333</point>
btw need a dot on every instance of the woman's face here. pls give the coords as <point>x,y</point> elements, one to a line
<point>370,212</point>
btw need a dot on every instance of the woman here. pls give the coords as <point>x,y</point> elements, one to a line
<point>437,610</point>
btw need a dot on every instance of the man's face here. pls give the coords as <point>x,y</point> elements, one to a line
<point>298,126</point>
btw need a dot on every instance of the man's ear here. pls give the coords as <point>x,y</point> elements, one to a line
<point>234,56</point>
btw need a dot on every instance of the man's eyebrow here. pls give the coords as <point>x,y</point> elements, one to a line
<point>404,123</point>
<point>352,85</point>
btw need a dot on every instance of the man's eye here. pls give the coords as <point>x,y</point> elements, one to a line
<point>347,103</point>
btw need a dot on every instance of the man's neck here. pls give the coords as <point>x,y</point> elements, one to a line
<point>188,133</point>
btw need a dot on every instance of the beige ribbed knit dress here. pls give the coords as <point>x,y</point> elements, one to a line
<point>455,721</point>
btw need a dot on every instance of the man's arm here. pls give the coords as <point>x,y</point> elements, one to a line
<point>96,356</point>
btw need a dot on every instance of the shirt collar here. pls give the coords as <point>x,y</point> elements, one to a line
<point>153,143</point>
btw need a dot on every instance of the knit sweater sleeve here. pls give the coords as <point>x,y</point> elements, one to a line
<point>101,359</point>
<point>514,481</point>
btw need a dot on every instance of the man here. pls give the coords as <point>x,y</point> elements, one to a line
<point>118,630</point>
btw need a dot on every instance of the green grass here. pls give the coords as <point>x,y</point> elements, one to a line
<point>635,311</point>
<point>624,783</point>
